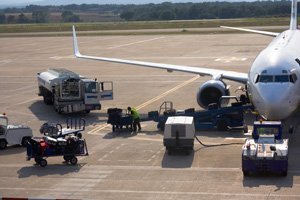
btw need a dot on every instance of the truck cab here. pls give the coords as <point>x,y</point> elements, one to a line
<point>267,151</point>
<point>94,92</point>
<point>13,134</point>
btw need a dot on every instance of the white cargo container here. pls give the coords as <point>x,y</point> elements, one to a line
<point>179,134</point>
<point>70,92</point>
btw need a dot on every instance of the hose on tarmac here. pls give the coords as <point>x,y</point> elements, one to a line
<point>215,145</point>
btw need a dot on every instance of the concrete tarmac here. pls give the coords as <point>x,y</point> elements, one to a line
<point>127,165</point>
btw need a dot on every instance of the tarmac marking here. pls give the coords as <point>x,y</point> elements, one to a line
<point>24,102</point>
<point>89,188</point>
<point>103,126</point>
<point>230,59</point>
<point>138,42</point>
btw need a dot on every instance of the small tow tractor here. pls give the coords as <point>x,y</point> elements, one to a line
<point>57,141</point>
<point>13,134</point>
<point>266,152</point>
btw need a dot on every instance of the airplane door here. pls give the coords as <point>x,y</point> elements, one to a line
<point>106,90</point>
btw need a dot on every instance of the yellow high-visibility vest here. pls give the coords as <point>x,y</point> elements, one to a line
<point>134,113</point>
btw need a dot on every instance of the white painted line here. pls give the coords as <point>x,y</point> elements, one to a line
<point>228,194</point>
<point>138,42</point>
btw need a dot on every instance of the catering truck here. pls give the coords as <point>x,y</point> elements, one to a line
<point>70,92</point>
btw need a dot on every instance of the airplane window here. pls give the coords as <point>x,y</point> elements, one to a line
<point>282,78</point>
<point>265,79</point>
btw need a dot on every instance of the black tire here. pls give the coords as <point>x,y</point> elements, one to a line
<point>222,125</point>
<point>67,158</point>
<point>43,163</point>
<point>246,173</point>
<point>113,128</point>
<point>37,160</point>
<point>284,173</point>
<point>79,135</point>
<point>25,141</point>
<point>87,111</point>
<point>245,129</point>
<point>73,160</point>
<point>3,144</point>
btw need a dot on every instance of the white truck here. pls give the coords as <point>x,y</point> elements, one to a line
<point>70,92</point>
<point>179,134</point>
<point>13,134</point>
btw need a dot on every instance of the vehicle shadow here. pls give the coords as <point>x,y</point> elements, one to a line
<point>16,149</point>
<point>268,180</point>
<point>50,169</point>
<point>46,113</point>
<point>177,160</point>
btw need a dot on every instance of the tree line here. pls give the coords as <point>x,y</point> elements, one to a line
<point>163,11</point>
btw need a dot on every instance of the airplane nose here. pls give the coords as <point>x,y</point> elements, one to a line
<point>275,103</point>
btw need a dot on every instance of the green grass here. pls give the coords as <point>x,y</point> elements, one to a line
<point>138,25</point>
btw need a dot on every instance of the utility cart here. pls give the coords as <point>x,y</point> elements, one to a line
<point>119,119</point>
<point>13,134</point>
<point>57,141</point>
<point>267,151</point>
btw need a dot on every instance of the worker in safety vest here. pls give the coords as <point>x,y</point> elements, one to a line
<point>136,118</point>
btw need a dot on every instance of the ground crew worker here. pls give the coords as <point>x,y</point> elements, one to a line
<point>136,118</point>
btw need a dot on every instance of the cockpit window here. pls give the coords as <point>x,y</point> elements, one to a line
<point>282,78</point>
<point>265,78</point>
<point>276,78</point>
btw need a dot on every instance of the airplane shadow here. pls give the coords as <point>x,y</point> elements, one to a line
<point>50,169</point>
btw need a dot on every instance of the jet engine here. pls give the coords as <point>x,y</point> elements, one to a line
<point>210,92</point>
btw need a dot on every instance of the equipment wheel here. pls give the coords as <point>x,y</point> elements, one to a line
<point>3,144</point>
<point>25,141</point>
<point>222,125</point>
<point>37,160</point>
<point>43,163</point>
<point>79,135</point>
<point>246,173</point>
<point>284,173</point>
<point>73,160</point>
<point>67,158</point>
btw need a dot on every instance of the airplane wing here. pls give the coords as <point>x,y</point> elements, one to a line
<point>252,31</point>
<point>216,74</point>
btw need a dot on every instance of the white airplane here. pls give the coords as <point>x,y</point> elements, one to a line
<point>272,82</point>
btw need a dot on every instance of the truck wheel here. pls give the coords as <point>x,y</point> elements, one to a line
<point>25,141</point>
<point>3,144</point>
<point>43,163</point>
<point>73,160</point>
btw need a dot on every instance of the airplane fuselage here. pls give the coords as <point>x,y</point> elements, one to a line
<point>274,77</point>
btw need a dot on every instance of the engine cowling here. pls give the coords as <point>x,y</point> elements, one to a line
<point>211,92</point>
